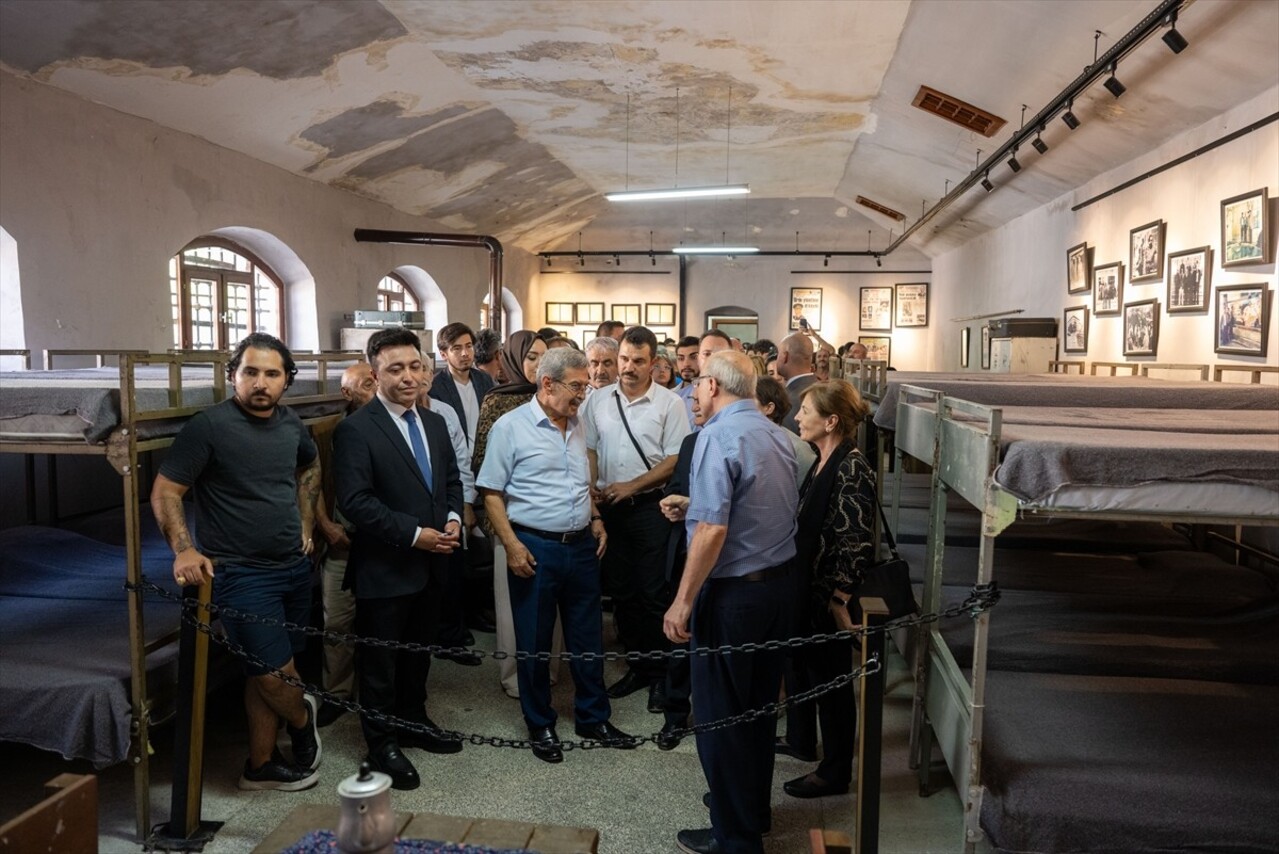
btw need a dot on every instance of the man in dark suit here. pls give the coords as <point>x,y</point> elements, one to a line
<point>398,484</point>
<point>795,368</point>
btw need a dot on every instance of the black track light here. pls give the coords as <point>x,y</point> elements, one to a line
<point>1176,41</point>
<point>1039,145</point>
<point>652,259</point>
<point>986,185</point>
<point>1069,117</point>
<point>879,262</point>
<point>1013,163</point>
<point>826,261</point>
<point>1112,84</point>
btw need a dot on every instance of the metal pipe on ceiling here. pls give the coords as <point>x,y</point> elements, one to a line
<point>834,253</point>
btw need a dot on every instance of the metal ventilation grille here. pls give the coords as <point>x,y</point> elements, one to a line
<point>882,209</point>
<point>961,113</point>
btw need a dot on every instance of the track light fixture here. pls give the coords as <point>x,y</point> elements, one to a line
<point>879,261</point>
<point>1176,41</point>
<point>1013,163</point>
<point>1112,84</point>
<point>826,261</point>
<point>1069,117</point>
<point>1038,144</point>
<point>986,185</point>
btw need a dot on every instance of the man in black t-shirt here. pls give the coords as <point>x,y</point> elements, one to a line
<point>255,475</point>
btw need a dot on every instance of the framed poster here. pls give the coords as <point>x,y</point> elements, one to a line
<point>1141,328</point>
<point>878,347</point>
<point>588,335</point>
<point>1146,252</point>
<point>659,314</point>
<point>590,312</point>
<point>559,313</point>
<point>627,313</point>
<point>912,304</point>
<point>965,342</point>
<point>1243,320</point>
<point>1078,269</point>
<point>1245,227</point>
<point>1189,279</point>
<point>877,309</point>
<point>985,347</point>
<point>1107,288</point>
<point>1074,330</point>
<point>806,304</point>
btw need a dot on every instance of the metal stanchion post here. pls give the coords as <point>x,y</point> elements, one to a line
<point>870,728</point>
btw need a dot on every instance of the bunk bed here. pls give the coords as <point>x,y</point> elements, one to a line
<point>1035,773</point>
<point>120,414</point>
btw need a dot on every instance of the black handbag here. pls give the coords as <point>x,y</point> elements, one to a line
<point>888,580</point>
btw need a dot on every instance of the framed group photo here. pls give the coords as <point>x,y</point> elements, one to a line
<point>1078,269</point>
<point>1107,289</point>
<point>1074,330</point>
<point>877,309</point>
<point>806,304</point>
<point>1244,229</point>
<point>1141,328</point>
<point>912,304</point>
<point>1189,279</point>
<point>1146,252</point>
<point>878,347</point>
<point>1242,320</point>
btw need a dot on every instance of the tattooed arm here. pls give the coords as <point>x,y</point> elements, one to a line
<point>308,494</point>
<point>189,565</point>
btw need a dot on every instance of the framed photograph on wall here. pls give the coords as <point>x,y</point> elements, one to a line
<point>1189,279</point>
<point>1245,229</point>
<point>590,312</point>
<point>559,314</point>
<point>806,304</point>
<point>659,314</point>
<point>879,348</point>
<point>627,313</point>
<point>1146,252</point>
<point>1107,289</point>
<point>1074,330</point>
<point>912,304</point>
<point>1141,328</point>
<point>965,342</point>
<point>985,347</point>
<point>1078,269</point>
<point>877,309</point>
<point>1242,320</point>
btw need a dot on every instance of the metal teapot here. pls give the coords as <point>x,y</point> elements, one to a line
<point>367,824</point>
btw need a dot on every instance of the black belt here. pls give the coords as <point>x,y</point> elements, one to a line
<point>636,500</point>
<point>558,536</point>
<point>772,572</point>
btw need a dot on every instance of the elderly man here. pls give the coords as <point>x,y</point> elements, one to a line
<point>633,432</point>
<point>795,368</point>
<point>256,475</point>
<point>858,351</point>
<point>536,484</point>
<point>740,519</point>
<point>601,359</point>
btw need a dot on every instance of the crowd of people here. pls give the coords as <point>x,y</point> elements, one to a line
<point>709,491</point>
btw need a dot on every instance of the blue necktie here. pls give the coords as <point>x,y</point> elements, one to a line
<point>419,447</point>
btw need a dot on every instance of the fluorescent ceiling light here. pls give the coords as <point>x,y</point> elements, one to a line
<point>715,250</point>
<point>679,193</point>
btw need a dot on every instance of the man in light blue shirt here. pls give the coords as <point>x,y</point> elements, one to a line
<point>536,485</point>
<point>738,587</point>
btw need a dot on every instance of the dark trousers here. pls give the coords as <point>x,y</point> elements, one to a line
<point>392,681</point>
<point>835,711</point>
<point>738,760</point>
<point>678,683</point>
<point>634,569</point>
<point>565,578</point>
<point>452,622</point>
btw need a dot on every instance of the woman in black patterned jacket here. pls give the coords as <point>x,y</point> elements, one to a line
<point>835,545</point>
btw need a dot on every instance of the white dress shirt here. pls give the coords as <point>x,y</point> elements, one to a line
<point>657,418</point>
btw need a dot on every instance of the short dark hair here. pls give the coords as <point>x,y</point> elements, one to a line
<point>688,341</point>
<point>769,390</point>
<point>546,333</point>
<point>395,336</point>
<point>605,329</point>
<point>764,345</point>
<point>452,332</point>
<point>487,345</point>
<point>716,333</point>
<point>638,336</point>
<point>262,341</point>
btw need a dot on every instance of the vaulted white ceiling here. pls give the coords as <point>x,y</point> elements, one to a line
<point>513,118</point>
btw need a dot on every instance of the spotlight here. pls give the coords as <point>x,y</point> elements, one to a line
<point>986,185</point>
<point>1112,84</point>
<point>1013,164</point>
<point>879,262</point>
<point>1069,117</point>
<point>652,259</point>
<point>826,261</point>
<point>1176,41</point>
<point>1039,145</point>
<point>548,262</point>
<point>581,261</point>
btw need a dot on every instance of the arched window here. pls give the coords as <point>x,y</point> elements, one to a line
<point>220,292</point>
<point>394,294</point>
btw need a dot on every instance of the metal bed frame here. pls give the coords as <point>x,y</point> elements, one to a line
<point>122,450</point>
<point>964,455</point>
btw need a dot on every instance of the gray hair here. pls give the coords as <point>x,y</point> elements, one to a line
<point>604,343</point>
<point>555,363</point>
<point>487,345</point>
<point>733,371</point>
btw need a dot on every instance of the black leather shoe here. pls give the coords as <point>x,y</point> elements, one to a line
<point>429,743</point>
<point>465,657</point>
<point>812,786</point>
<point>657,697</point>
<point>546,744</point>
<point>667,739</point>
<point>697,842</point>
<point>390,761</point>
<point>784,748</point>
<point>627,685</point>
<point>329,713</point>
<point>482,621</point>
<point>607,734</point>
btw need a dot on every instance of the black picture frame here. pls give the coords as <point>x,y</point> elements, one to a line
<point>910,305</point>
<point>878,347</point>
<point>965,344</point>
<point>1074,329</point>
<point>806,304</point>
<point>1146,252</point>
<point>1189,280</point>
<point>985,346</point>
<point>626,313</point>
<point>560,314</point>
<point>1108,289</point>
<point>1078,269</point>
<point>1241,320</point>
<point>1245,229</point>
<point>659,314</point>
<point>875,309</point>
<point>1141,328</point>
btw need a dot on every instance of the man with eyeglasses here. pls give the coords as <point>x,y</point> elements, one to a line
<point>535,480</point>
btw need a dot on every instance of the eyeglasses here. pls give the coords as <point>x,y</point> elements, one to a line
<point>578,389</point>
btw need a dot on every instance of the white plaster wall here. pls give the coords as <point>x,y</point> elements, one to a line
<point>98,202</point>
<point>1023,264</point>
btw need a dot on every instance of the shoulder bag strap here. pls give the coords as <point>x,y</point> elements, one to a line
<point>888,533</point>
<point>617,398</point>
